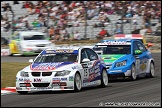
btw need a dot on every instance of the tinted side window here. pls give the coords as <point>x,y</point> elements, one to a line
<point>83,55</point>
<point>135,46</point>
<point>91,54</point>
<point>141,47</point>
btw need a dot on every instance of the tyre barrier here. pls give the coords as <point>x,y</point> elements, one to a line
<point>5,52</point>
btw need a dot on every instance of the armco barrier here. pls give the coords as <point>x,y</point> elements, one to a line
<point>5,52</point>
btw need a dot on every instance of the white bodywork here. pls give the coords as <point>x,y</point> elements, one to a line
<point>54,81</point>
<point>35,46</point>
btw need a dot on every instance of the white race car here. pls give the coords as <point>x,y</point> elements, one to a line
<point>66,68</point>
<point>29,43</point>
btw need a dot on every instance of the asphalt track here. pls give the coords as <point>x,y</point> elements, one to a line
<point>142,90</point>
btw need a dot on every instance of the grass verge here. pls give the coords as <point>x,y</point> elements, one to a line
<point>9,71</point>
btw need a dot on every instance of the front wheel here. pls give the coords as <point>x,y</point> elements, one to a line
<point>77,82</point>
<point>104,78</point>
<point>133,73</point>
<point>22,92</point>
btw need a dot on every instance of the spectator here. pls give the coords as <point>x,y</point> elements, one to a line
<point>102,34</point>
<point>77,36</point>
<point>51,32</point>
<point>118,30</point>
<point>143,31</point>
<point>7,26</point>
<point>66,36</point>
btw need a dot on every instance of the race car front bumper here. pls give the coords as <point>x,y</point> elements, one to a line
<point>44,84</point>
<point>119,73</point>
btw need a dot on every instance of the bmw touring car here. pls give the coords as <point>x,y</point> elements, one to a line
<point>63,68</point>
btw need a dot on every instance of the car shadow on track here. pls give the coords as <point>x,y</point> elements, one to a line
<point>66,91</point>
<point>129,80</point>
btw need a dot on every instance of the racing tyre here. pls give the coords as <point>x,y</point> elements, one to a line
<point>22,92</point>
<point>133,73</point>
<point>152,70</point>
<point>104,79</point>
<point>77,82</point>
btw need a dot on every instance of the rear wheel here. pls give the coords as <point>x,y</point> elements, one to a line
<point>22,92</point>
<point>133,73</point>
<point>152,70</point>
<point>104,79</point>
<point>77,82</point>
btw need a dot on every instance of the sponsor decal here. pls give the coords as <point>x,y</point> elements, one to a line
<point>90,83</point>
<point>114,43</point>
<point>85,80</point>
<point>60,51</point>
<point>56,80</point>
<point>18,88</point>
<point>23,79</point>
<point>63,79</point>
<point>143,66</point>
<point>48,66</point>
<point>91,77</point>
<point>55,84</point>
<point>40,88</point>
<point>70,87</point>
<point>71,78</point>
<point>74,67</point>
<point>37,80</point>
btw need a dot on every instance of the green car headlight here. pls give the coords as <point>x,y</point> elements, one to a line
<point>24,74</point>
<point>123,63</point>
<point>62,73</point>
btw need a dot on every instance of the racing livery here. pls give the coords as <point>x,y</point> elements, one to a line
<point>66,68</point>
<point>29,43</point>
<point>126,58</point>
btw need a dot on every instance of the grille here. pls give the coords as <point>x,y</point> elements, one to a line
<point>41,45</point>
<point>46,73</point>
<point>35,73</point>
<point>40,84</point>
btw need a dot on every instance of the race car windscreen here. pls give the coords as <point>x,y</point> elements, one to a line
<point>46,58</point>
<point>113,49</point>
<point>34,37</point>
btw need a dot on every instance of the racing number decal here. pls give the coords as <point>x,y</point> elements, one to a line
<point>85,72</point>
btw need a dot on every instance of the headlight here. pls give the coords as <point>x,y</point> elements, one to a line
<point>123,63</point>
<point>62,73</point>
<point>24,74</point>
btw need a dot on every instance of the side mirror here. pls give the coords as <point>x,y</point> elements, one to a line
<point>30,60</point>
<point>85,60</point>
<point>137,52</point>
<point>149,44</point>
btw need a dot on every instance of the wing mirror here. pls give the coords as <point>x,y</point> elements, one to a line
<point>149,44</point>
<point>30,60</point>
<point>85,60</point>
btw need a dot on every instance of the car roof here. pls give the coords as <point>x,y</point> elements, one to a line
<point>128,36</point>
<point>26,33</point>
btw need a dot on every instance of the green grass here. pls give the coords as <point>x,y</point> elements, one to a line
<point>9,71</point>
